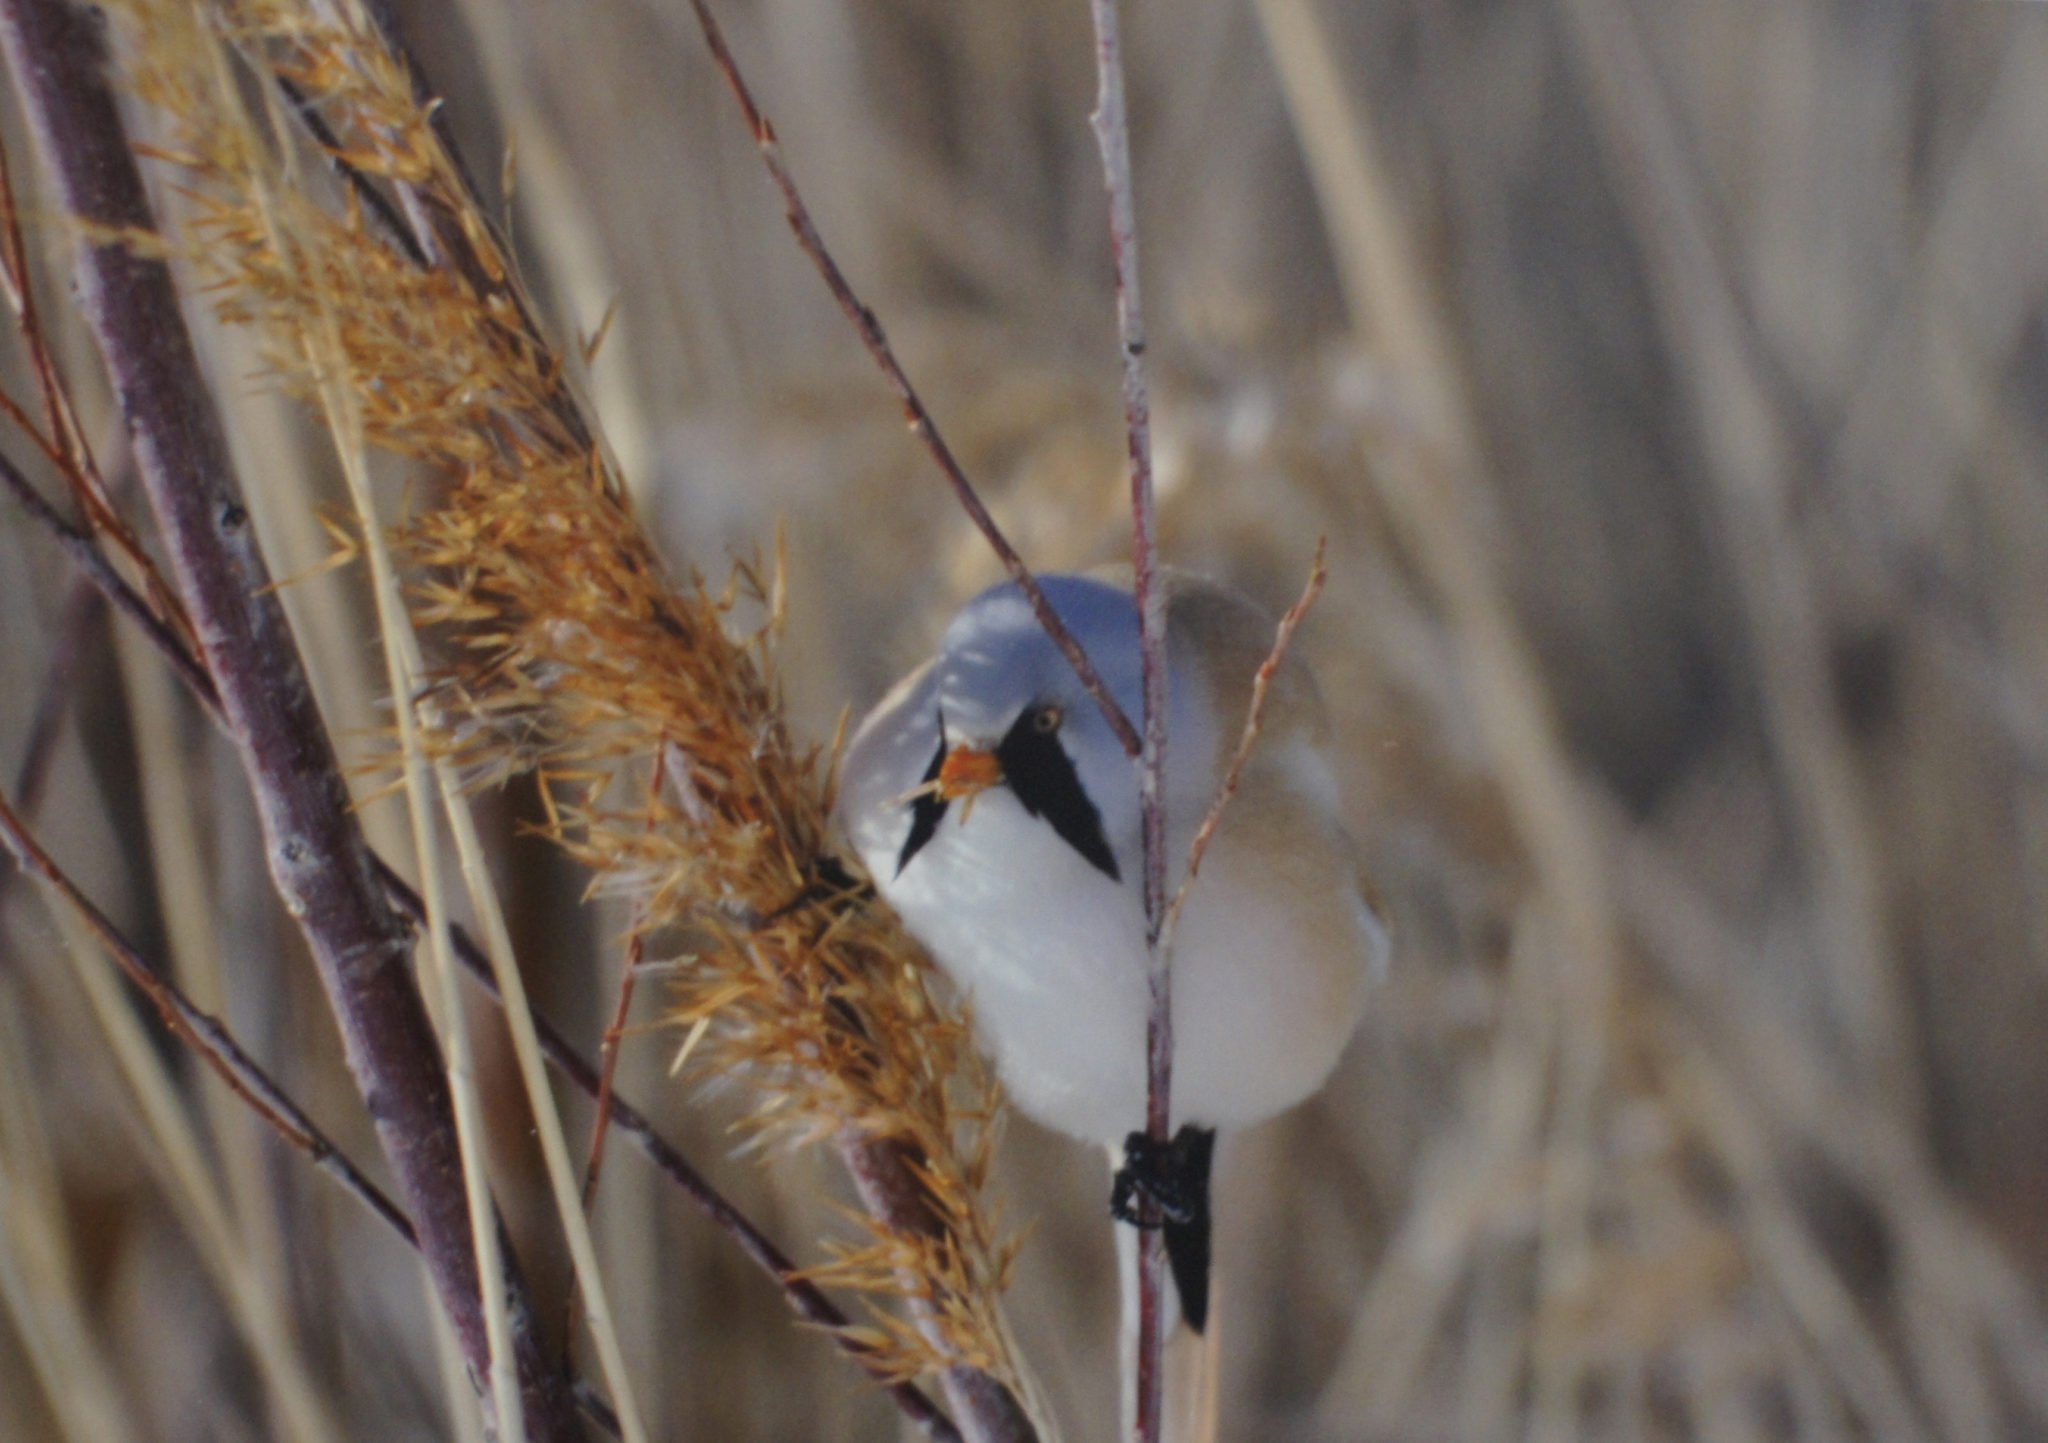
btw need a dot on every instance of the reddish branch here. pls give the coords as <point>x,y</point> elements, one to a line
<point>316,852</point>
<point>58,435</point>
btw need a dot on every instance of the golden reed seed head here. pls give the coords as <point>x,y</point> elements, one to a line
<point>569,649</point>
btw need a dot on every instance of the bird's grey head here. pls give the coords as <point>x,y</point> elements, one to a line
<point>996,660</point>
<point>1000,688</point>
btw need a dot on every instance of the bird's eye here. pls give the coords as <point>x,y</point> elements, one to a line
<point>1046,720</point>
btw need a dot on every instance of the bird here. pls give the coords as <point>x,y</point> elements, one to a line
<point>998,813</point>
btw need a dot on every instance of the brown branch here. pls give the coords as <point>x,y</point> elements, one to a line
<point>59,424</point>
<point>1113,138</point>
<point>316,852</point>
<point>59,436</point>
<point>914,412</point>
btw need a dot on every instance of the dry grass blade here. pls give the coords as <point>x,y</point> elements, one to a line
<point>39,1283</point>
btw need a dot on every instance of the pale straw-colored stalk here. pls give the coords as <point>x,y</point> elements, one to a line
<point>175,1153</point>
<point>39,1285</point>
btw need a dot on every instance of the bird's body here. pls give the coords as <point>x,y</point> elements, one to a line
<point>1018,862</point>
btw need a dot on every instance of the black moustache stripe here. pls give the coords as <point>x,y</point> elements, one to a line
<point>927,811</point>
<point>1042,775</point>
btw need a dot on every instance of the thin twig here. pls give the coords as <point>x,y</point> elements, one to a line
<point>914,412</point>
<point>60,431</point>
<point>206,1035</point>
<point>629,977</point>
<point>608,1058</point>
<point>614,1034</point>
<point>1254,724</point>
<point>314,843</point>
<point>22,297</point>
<point>59,436</point>
<point>808,1301</point>
<point>1113,138</point>
<point>124,598</point>
<point>201,1031</point>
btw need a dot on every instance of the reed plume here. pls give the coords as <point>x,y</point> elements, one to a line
<point>650,712</point>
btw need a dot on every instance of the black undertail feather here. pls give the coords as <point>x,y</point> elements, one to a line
<point>1174,1178</point>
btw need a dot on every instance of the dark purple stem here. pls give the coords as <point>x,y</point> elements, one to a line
<point>1113,137</point>
<point>316,852</point>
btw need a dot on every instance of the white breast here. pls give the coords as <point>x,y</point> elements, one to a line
<point>1268,970</point>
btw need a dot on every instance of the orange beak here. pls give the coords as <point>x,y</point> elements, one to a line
<point>967,772</point>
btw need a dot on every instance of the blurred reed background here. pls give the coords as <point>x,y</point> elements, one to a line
<point>1672,386</point>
